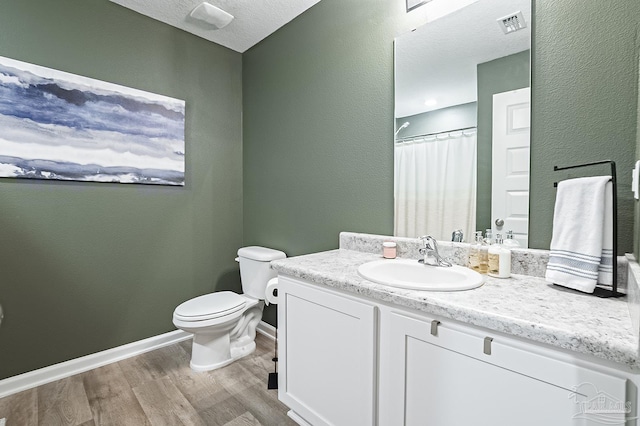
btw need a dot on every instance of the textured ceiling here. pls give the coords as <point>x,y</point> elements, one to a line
<point>254,20</point>
<point>438,60</point>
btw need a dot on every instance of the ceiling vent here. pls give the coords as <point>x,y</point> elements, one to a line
<point>211,15</point>
<point>512,23</point>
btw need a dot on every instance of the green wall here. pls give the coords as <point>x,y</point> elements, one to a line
<point>497,76</point>
<point>585,94</point>
<point>318,116</point>
<point>636,222</point>
<point>86,267</point>
<point>318,127</point>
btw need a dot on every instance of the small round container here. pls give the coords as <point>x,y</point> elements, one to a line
<point>389,250</point>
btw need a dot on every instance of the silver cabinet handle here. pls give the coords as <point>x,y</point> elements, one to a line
<point>434,327</point>
<point>487,345</point>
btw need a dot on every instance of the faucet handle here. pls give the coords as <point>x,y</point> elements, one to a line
<point>430,249</point>
<point>427,241</point>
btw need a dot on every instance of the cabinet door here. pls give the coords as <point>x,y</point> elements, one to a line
<point>327,354</point>
<point>438,380</point>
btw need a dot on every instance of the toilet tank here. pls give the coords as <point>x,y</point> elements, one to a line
<point>255,269</point>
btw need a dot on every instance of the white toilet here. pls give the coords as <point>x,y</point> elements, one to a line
<point>224,323</point>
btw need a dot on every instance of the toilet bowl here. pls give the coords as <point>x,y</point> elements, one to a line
<point>224,324</point>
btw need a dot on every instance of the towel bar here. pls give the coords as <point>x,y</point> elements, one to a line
<point>600,291</point>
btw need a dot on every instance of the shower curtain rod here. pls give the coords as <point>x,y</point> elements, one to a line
<point>410,138</point>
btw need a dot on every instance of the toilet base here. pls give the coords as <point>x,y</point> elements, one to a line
<point>213,356</point>
<point>209,367</point>
<point>244,350</point>
<point>219,346</point>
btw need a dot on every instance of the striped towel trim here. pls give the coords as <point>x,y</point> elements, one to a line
<point>575,255</point>
<point>606,268</point>
<point>606,263</point>
<point>574,272</point>
<point>576,264</point>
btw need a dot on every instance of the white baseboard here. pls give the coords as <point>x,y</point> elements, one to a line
<point>296,418</point>
<point>74,366</point>
<point>49,374</point>
<point>267,330</point>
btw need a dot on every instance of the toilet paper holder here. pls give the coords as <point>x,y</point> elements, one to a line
<point>271,292</point>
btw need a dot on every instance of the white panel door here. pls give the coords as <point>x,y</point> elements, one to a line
<point>510,164</point>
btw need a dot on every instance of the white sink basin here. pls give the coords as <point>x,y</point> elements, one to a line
<point>411,274</point>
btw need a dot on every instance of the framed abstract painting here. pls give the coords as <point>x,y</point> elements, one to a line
<point>57,125</point>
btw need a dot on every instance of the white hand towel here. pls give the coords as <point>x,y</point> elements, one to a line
<point>605,270</point>
<point>579,232</point>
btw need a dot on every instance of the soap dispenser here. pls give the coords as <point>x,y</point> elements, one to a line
<point>483,254</point>
<point>499,259</point>
<point>474,252</point>
<point>511,242</point>
<point>488,236</point>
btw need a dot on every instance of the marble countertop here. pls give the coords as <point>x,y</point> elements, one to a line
<point>523,305</point>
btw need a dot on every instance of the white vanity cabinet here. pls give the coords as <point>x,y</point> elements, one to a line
<point>347,360</point>
<point>327,355</point>
<point>444,374</point>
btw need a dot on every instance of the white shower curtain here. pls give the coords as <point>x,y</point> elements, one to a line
<point>435,186</point>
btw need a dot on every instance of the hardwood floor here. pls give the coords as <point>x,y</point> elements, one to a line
<point>156,388</point>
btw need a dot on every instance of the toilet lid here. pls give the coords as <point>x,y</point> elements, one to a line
<point>210,306</point>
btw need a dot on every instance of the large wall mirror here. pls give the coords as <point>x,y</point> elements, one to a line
<point>462,111</point>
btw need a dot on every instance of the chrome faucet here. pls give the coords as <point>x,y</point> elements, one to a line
<point>457,236</point>
<point>430,251</point>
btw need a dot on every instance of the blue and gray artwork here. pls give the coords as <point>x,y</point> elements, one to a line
<point>56,125</point>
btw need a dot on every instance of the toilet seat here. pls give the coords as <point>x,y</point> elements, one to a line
<point>210,306</point>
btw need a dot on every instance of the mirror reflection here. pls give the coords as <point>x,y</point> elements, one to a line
<point>462,123</point>
<point>412,4</point>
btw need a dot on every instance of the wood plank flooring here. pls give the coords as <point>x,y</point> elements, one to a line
<point>156,388</point>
